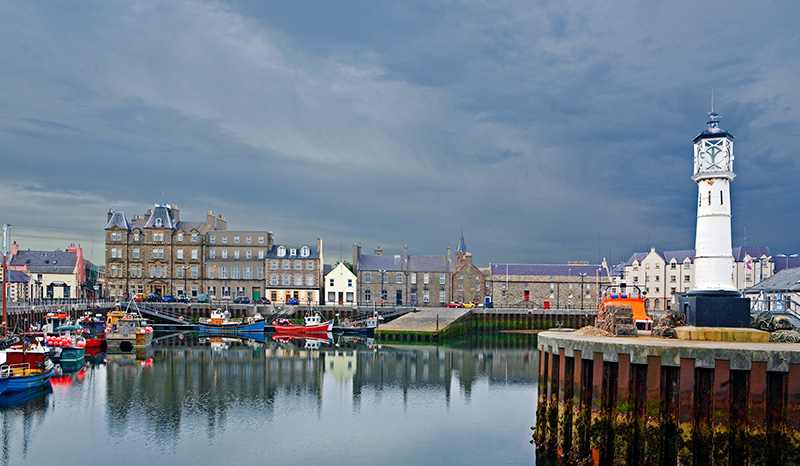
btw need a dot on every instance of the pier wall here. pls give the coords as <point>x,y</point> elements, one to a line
<point>653,401</point>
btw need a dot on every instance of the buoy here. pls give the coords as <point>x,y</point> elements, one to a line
<point>180,318</point>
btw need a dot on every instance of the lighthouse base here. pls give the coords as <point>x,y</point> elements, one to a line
<point>716,310</point>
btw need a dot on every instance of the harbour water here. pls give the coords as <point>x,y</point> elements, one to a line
<point>194,399</point>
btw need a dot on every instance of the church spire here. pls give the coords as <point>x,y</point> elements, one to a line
<point>462,247</point>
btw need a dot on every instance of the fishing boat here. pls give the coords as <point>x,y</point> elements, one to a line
<point>67,346</point>
<point>361,327</point>
<point>126,330</point>
<point>311,324</point>
<point>220,321</point>
<point>94,330</point>
<point>629,295</point>
<point>26,366</point>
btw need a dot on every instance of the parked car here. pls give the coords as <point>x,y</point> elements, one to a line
<point>153,298</point>
<point>241,300</point>
<point>138,297</point>
<point>183,298</point>
<point>263,300</point>
<point>467,305</point>
<point>452,304</point>
<point>168,299</point>
<point>291,301</point>
<point>203,298</point>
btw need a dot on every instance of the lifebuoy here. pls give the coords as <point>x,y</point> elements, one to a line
<point>180,318</point>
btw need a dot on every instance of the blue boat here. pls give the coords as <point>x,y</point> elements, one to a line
<point>220,322</point>
<point>11,399</point>
<point>27,366</point>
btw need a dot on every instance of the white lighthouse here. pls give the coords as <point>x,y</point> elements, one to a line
<point>713,172</point>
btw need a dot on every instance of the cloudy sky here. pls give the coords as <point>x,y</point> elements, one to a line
<point>548,131</point>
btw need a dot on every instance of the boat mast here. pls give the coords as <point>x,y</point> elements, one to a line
<point>4,324</point>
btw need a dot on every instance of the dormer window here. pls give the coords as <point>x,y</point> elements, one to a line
<point>158,222</point>
<point>293,252</point>
<point>281,251</point>
<point>180,236</point>
<point>304,252</point>
<point>136,236</point>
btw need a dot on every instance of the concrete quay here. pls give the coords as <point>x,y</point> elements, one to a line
<point>645,400</point>
<point>425,322</point>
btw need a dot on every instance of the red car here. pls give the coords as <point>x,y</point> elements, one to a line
<point>452,304</point>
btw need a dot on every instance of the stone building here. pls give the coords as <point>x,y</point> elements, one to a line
<point>160,253</point>
<point>667,274</point>
<point>294,273</point>
<point>467,282</point>
<point>576,285</point>
<point>401,280</point>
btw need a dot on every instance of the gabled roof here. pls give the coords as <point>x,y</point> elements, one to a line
<point>46,261</point>
<point>785,280</point>
<point>786,262</point>
<point>119,220</point>
<point>17,276</point>
<point>679,256</point>
<point>739,253</point>
<point>189,226</point>
<point>557,270</point>
<point>637,256</point>
<point>161,218</point>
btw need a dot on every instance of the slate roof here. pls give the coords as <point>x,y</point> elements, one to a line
<point>312,251</point>
<point>786,262</point>
<point>785,280</point>
<point>163,213</point>
<point>189,226</point>
<point>557,270</point>
<point>118,219</point>
<point>395,263</point>
<point>679,256</point>
<point>46,261</point>
<point>636,256</point>
<point>739,253</point>
<point>17,276</point>
<point>326,269</point>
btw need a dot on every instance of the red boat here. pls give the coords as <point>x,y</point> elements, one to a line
<point>94,330</point>
<point>311,324</point>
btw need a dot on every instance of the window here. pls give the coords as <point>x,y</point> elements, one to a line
<point>273,279</point>
<point>413,278</point>
<point>249,254</point>
<point>477,287</point>
<point>260,240</point>
<point>298,265</point>
<point>673,265</point>
<point>330,282</point>
<point>212,239</point>
<point>441,296</point>
<point>194,271</point>
<point>349,282</point>
<point>211,291</point>
<point>367,277</point>
<point>287,280</point>
<point>367,295</point>
<point>426,296</point>
<point>180,236</point>
<point>226,292</point>
<point>281,251</point>
<point>179,254</point>
<point>135,253</point>
<point>224,240</point>
<point>249,239</point>
<point>293,252</point>
<point>235,273</point>
<point>441,278</point>
<point>136,236</point>
<point>686,278</point>
<point>399,278</point>
<point>384,278</point>
<point>425,279</point>
<point>460,287</point>
<point>310,265</point>
<point>310,280</point>
<point>236,254</point>
<point>259,273</point>
<point>235,240</point>
<point>224,253</point>
<point>286,265</point>
<point>261,254</point>
<point>158,222</point>
<point>635,279</point>
<point>687,265</point>
<point>223,272</point>
<point>304,251</point>
<point>210,271</point>
<point>212,254</point>
<point>274,265</point>
<point>194,254</point>
<point>179,272</point>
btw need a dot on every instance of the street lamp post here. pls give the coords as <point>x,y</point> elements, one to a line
<point>185,271</point>
<point>383,283</point>
<point>569,289</point>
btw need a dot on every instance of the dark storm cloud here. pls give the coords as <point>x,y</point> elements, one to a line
<point>549,132</point>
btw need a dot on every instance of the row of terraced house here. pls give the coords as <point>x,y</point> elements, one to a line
<point>160,253</point>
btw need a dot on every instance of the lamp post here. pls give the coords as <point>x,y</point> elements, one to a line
<point>383,290</point>
<point>569,289</point>
<point>582,274</point>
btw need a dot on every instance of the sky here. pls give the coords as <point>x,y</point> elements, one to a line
<point>546,131</point>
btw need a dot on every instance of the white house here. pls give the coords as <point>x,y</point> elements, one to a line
<point>340,287</point>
